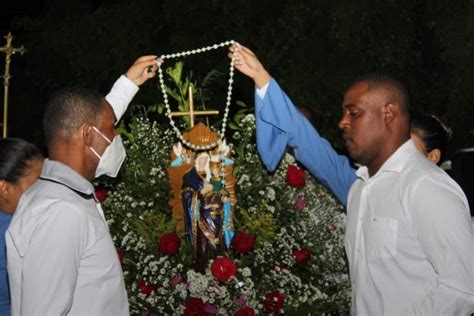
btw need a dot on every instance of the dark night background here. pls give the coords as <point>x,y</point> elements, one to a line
<point>313,48</point>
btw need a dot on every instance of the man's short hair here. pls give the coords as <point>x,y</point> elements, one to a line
<point>68,109</point>
<point>394,86</point>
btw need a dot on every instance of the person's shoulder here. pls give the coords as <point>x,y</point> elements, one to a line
<point>49,199</point>
<point>418,167</point>
<point>421,176</point>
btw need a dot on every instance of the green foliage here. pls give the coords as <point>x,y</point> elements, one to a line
<point>263,226</point>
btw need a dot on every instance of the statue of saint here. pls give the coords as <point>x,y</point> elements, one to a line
<point>205,199</point>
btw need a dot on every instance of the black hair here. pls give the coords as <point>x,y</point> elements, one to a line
<point>393,84</point>
<point>16,156</point>
<point>67,110</point>
<point>431,131</point>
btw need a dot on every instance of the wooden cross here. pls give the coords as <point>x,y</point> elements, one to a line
<point>9,50</point>
<point>191,112</point>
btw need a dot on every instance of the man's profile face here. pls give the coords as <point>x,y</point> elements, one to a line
<point>362,122</point>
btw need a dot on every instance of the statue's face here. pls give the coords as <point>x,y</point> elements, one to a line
<point>215,170</point>
<point>201,162</point>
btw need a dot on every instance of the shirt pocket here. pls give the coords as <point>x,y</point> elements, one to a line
<point>381,237</point>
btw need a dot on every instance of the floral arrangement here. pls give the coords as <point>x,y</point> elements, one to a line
<point>287,254</point>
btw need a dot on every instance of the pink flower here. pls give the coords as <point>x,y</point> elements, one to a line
<point>175,281</point>
<point>210,308</point>
<point>300,202</point>
<point>240,301</point>
<point>331,229</point>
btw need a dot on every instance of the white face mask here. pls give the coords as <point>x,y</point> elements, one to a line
<point>112,158</point>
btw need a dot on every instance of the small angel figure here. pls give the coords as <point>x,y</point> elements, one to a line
<point>181,155</point>
<point>224,151</point>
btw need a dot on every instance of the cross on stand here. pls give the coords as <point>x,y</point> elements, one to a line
<point>9,50</point>
<point>191,112</point>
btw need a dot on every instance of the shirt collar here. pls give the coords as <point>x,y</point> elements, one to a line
<point>395,163</point>
<point>63,174</point>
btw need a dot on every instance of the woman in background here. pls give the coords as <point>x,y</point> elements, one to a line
<point>20,166</point>
<point>430,136</point>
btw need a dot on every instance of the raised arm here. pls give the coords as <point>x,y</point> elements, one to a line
<point>125,88</point>
<point>281,124</point>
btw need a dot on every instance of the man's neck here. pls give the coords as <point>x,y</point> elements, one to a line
<point>70,157</point>
<point>390,149</point>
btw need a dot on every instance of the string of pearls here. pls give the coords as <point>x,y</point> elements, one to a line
<point>229,92</point>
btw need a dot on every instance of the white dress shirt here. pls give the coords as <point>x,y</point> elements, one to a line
<point>120,95</point>
<point>409,240</point>
<point>61,258</point>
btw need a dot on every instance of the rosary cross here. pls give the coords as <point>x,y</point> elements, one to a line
<point>191,113</point>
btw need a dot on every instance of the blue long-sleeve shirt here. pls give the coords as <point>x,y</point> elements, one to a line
<point>280,124</point>
<point>4,290</point>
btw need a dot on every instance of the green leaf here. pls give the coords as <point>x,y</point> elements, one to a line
<point>233,126</point>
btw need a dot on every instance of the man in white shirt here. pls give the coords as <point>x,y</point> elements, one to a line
<point>61,258</point>
<point>409,241</point>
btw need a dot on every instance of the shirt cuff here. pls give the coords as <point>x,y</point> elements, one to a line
<point>263,90</point>
<point>120,95</point>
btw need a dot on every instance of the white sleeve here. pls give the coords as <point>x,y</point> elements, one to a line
<point>50,266</point>
<point>263,90</point>
<point>120,95</point>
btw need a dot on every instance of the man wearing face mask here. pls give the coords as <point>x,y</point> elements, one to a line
<point>61,258</point>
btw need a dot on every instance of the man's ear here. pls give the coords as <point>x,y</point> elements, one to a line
<point>390,111</point>
<point>434,155</point>
<point>87,134</point>
<point>4,190</point>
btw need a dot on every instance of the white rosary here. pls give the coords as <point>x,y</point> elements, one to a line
<point>229,92</point>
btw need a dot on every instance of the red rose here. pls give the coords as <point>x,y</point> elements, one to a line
<point>273,302</point>
<point>223,269</point>
<point>194,307</point>
<point>101,194</point>
<point>146,287</point>
<point>245,311</point>
<point>243,242</point>
<point>169,243</point>
<point>295,176</point>
<point>301,255</point>
<point>121,255</point>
